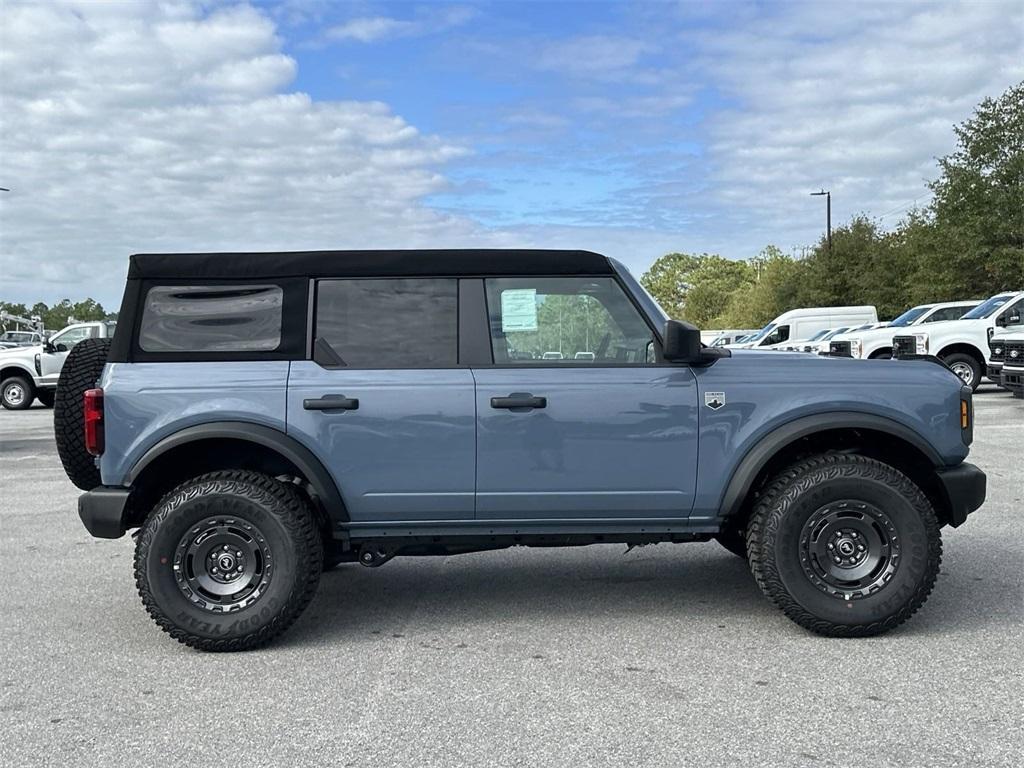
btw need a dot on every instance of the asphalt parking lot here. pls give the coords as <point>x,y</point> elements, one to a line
<point>665,655</point>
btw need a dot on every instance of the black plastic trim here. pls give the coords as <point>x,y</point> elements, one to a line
<point>474,335</point>
<point>124,331</point>
<point>965,486</point>
<point>288,447</point>
<point>761,453</point>
<point>104,511</point>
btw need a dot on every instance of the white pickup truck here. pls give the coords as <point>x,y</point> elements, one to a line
<point>1011,377</point>
<point>963,344</point>
<point>876,343</point>
<point>27,373</point>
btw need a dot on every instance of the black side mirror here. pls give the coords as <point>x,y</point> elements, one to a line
<point>48,347</point>
<point>681,343</point>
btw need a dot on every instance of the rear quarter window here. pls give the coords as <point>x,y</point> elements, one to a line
<point>197,318</point>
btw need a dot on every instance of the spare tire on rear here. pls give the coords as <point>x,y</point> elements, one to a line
<point>81,371</point>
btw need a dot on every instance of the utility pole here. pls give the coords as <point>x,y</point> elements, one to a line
<point>828,214</point>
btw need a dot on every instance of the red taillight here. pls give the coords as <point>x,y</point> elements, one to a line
<point>94,421</point>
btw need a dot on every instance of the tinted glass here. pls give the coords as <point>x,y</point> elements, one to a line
<point>583,321</point>
<point>208,318</point>
<point>946,313</point>
<point>393,323</point>
<point>908,317</point>
<point>69,339</point>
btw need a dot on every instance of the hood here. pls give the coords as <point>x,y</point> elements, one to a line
<point>21,351</point>
<point>983,322</point>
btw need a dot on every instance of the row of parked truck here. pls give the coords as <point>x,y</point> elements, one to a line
<point>974,338</point>
<point>30,372</point>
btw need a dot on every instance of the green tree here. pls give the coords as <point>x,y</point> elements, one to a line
<point>695,288</point>
<point>775,289</point>
<point>976,245</point>
<point>56,317</point>
<point>669,279</point>
<point>715,280</point>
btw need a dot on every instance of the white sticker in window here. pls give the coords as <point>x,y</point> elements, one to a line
<point>519,310</point>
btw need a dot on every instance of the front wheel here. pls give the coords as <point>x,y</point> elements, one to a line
<point>228,560</point>
<point>845,545</point>
<point>17,393</point>
<point>966,367</point>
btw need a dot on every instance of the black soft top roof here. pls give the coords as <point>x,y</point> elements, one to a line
<point>448,263</point>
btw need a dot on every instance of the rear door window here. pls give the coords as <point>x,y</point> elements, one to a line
<point>390,322</point>
<point>210,318</point>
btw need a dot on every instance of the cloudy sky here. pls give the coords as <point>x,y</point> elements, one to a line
<point>632,129</point>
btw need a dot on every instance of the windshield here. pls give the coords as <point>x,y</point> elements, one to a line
<point>909,316</point>
<point>836,332</point>
<point>987,308</point>
<point>819,335</point>
<point>762,333</point>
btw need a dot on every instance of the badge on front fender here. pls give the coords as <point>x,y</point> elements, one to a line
<point>714,400</point>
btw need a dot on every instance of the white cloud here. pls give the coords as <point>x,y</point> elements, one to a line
<point>161,128</point>
<point>372,29</point>
<point>856,98</point>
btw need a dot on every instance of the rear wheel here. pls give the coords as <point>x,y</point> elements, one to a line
<point>227,561</point>
<point>17,393</point>
<point>966,367</point>
<point>82,369</point>
<point>845,545</point>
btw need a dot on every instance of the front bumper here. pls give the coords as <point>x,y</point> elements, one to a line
<point>993,371</point>
<point>1011,380</point>
<point>104,511</point>
<point>965,487</point>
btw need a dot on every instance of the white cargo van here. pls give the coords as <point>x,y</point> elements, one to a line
<point>804,323</point>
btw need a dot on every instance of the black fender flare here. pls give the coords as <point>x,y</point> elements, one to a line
<point>268,437</point>
<point>767,446</point>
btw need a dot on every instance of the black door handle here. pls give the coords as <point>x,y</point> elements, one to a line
<point>519,400</point>
<point>331,403</point>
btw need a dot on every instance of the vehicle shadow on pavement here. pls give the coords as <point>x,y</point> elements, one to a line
<point>428,594</point>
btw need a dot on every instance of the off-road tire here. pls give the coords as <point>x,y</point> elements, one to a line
<point>47,397</point>
<point>734,541</point>
<point>286,521</point>
<point>82,369</point>
<point>963,359</point>
<point>774,542</point>
<point>17,393</point>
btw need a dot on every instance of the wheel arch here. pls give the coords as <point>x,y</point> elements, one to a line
<point>966,349</point>
<point>17,369</point>
<point>220,445</point>
<point>872,435</point>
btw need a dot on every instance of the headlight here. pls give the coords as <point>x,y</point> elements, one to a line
<point>1014,354</point>
<point>855,347</point>
<point>921,343</point>
<point>997,350</point>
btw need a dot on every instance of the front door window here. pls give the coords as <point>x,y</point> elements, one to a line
<point>565,320</point>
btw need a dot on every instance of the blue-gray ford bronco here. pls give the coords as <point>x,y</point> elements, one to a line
<point>261,417</point>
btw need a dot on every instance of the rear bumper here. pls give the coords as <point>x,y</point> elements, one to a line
<point>965,487</point>
<point>103,511</point>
